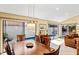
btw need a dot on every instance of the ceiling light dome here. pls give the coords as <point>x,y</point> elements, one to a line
<point>57,9</point>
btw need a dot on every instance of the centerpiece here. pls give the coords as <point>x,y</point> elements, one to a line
<point>29,45</point>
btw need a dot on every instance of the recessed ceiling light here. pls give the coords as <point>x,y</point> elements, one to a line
<point>57,9</point>
<point>66,14</point>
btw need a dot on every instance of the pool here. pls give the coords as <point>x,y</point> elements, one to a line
<point>30,39</point>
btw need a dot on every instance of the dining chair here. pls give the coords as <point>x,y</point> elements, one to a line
<point>13,53</point>
<point>8,49</point>
<point>45,40</point>
<point>37,38</point>
<point>20,37</point>
<point>56,52</point>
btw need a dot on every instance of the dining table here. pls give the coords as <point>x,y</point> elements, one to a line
<point>20,48</point>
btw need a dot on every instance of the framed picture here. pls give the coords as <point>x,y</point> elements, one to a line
<point>42,29</point>
<point>42,26</point>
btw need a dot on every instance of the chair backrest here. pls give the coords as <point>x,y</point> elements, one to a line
<point>45,40</point>
<point>37,38</point>
<point>13,53</point>
<point>8,49</point>
<point>20,37</point>
<point>56,52</point>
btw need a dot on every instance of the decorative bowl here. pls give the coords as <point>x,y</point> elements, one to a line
<point>29,45</point>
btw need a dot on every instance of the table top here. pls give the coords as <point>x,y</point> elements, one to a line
<point>37,49</point>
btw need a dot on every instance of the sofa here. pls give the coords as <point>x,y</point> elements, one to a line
<point>70,40</point>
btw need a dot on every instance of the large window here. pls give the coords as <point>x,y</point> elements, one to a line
<point>67,29</point>
<point>13,28</point>
<point>71,28</point>
<point>53,31</point>
<point>64,30</point>
<point>30,30</point>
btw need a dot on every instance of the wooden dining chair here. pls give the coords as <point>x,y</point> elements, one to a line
<point>56,52</point>
<point>8,49</point>
<point>20,37</point>
<point>45,40</point>
<point>13,53</point>
<point>37,38</point>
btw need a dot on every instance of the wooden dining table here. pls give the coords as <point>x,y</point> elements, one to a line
<point>20,48</point>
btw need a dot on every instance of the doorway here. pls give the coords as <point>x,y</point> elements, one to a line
<point>53,31</point>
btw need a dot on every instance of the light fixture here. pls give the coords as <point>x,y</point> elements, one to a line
<point>57,9</point>
<point>66,14</point>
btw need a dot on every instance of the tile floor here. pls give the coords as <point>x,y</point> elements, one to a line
<point>64,50</point>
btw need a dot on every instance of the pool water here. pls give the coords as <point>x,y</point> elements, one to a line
<point>30,39</point>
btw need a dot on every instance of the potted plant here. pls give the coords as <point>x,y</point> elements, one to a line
<point>5,36</point>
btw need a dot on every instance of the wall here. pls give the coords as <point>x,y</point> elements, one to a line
<point>1,36</point>
<point>77,28</point>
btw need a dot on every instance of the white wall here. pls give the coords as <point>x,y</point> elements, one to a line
<point>77,28</point>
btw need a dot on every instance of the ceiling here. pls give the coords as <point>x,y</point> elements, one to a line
<point>57,12</point>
